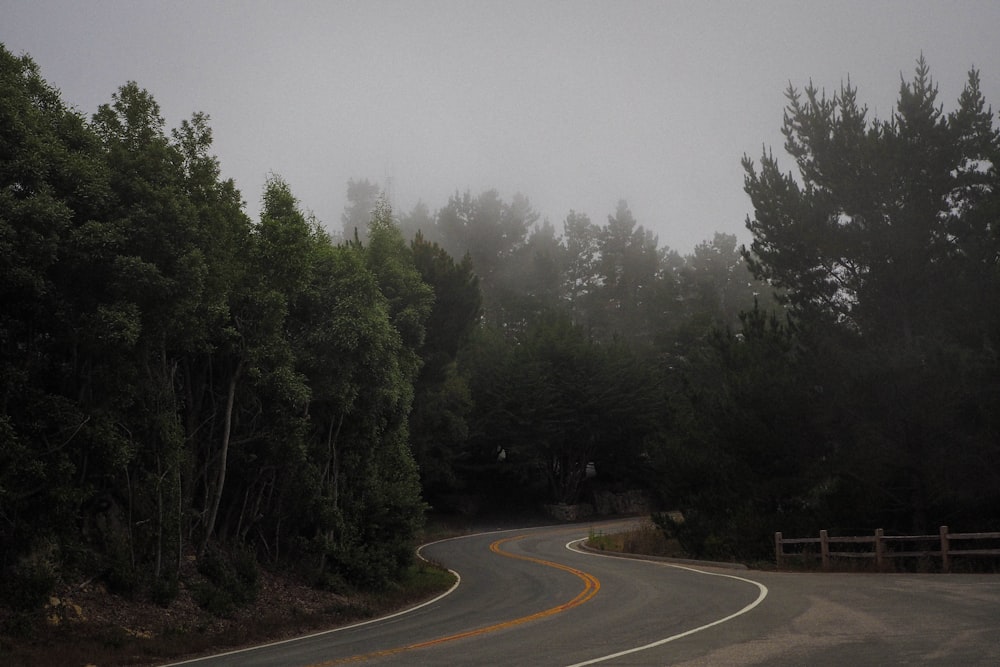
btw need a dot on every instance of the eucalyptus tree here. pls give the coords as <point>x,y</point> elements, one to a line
<point>260,397</point>
<point>313,464</point>
<point>207,380</point>
<point>353,494</point>
<point>156,283</point>
<point>391,261</point>
<point>172,374</point>
<point>54,192</point>
<point>382,506</point>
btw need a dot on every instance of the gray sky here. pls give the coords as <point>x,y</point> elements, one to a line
<point>574,104</point>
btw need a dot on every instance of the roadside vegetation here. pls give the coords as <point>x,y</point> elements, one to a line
<point>91,626</point>
<point>197,405</point>
<point>644,538</point>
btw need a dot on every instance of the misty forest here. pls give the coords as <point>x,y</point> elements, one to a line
<point>180,382</point>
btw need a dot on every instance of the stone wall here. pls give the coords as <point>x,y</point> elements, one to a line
<point>606,503</point>
<point>627,502</point>
<point>563,512</point>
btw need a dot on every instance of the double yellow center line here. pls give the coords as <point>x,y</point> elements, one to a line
<point>590,587</point>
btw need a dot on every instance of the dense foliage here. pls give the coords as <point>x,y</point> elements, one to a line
<point>887,250</point>
<point>872,402</point>
<point>178,379</point>
<point>179,382</point>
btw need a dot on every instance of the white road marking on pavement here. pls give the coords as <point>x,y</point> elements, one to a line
<point>760,598</point>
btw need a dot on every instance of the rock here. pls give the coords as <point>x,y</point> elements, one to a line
<point>563,512</point>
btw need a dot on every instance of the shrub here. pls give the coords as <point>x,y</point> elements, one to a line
<point>230,580</point>
<point>28,588</point>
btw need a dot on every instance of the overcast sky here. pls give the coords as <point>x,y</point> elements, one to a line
<point>574,104</point>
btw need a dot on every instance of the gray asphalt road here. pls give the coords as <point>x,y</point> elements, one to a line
<point>525,599</point>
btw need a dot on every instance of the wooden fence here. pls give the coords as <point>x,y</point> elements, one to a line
<point>936,546</point>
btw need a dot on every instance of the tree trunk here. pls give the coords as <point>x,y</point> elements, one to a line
<point>220,481</point>
<point>332,472</point>
<point>159,521</point>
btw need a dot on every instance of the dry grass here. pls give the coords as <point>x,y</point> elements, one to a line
<point>643,539</point>
<point>283,609</point>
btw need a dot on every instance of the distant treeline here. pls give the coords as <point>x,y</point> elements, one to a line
<point>178,380</point>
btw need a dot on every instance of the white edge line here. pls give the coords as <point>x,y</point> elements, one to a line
<point>458,580</point>
<point>760,598</point>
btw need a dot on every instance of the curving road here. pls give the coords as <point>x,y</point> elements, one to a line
<point>527,597</point>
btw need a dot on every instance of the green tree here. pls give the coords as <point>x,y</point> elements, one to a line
<point>706,290</point>
<point>442,403</point>
<point>381,507</point>
<point>538,271</point>
<point>362,501</point>
<point>550,402</point>
<point>492,232</point>
<point>421,221</point>
<point>745,453</point>
<point>361,198</point>
<point>208,376</point>
<point>155,283</point>
<point>884,250</point>
<point>581,240</point>
<point>884,211</point>
<point>171,373</point>
<point>53,190</point>
<point>261,396</point>
<point>627,265</point>
<point>584,403</point>
<point>410,299</point>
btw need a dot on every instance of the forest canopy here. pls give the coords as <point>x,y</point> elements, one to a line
<point>179,380</point>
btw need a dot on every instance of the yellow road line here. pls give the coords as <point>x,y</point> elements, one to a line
<point>590,588</point>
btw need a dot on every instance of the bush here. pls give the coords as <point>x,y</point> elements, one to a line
<point>739,534</point>
<point>165,590</point>
<point>28,586</point>
<point>122,578</point>
<point>230,580</point>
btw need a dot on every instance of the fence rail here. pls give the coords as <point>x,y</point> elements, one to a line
<point>942,547</point>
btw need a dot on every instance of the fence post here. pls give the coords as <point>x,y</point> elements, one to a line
<point>878,548</point>
<point>778,549</point>
<point>824,548</point>
<point>945,546</point>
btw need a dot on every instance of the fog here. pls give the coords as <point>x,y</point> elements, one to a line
<point>574,104</point>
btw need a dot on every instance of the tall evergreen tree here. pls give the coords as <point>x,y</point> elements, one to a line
<point>492,232</point>
<point>442,402</point>
<point>361,198</point>
<point>884,245</point>
<point>628,266</point>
